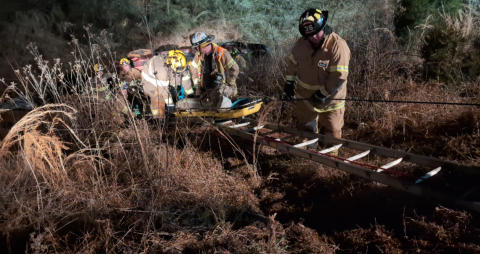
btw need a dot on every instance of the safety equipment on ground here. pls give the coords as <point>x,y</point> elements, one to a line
<point>200,38</point>
<point>124,61</point>
<point>98,67</point>
<point>176,60</point>
<point>319,99</point>
<point>289,89</point>
<point>312,21</point>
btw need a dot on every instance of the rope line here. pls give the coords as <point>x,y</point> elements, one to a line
<point>410,102</point>
<point>388,101</point>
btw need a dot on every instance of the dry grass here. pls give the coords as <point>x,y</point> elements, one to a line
<point>77,176</point>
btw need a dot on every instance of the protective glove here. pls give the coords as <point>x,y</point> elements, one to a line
<point>218,80</point>
<point>289,90</point>
<point>318,99</point>
<point>228,90</point>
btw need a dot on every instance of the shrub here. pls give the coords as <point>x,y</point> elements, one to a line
<point>413,12</point>
<point>451,48</point>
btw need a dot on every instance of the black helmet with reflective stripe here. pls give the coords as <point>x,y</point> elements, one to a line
<point>312,21</point>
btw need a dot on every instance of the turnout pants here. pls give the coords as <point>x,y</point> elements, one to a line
<point>158,95</point>
<point>328,123</point>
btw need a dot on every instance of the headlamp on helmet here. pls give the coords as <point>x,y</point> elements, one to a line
<point>312,21</point>
<point>176,60</point>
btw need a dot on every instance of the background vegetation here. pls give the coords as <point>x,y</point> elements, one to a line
<point>78,176</point>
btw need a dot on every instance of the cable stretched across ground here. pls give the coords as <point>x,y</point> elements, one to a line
<point>389,101</point>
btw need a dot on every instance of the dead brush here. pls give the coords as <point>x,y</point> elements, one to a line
<point>35,133</point>
<point>378,71</point>
<point>224,238</point>
<point>185,177</point>
<point>446,229</point>
<point>305,240</point>
<point>376,238</point>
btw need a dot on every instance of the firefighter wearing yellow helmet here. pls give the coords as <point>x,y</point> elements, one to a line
<point>176,60</point>
<point>162,76</point>
<point>131,66</point>
<point>101,80</point>
<point>317,71</point>
<point>105,91</point>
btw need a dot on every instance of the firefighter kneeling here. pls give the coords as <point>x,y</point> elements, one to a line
<point>214,72</point>
<point>162,77</point>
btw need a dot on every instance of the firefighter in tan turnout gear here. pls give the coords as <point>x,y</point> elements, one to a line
<point>161,77</point>
<point>214,72</point>
<point>131,66</point>
<point>317,71</point>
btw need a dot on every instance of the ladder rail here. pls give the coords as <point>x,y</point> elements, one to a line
<point>382,151</point>
<point>350,167</point>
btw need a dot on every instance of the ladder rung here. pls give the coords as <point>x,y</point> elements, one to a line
<point>389,165</point>
<point>428,175</point>
<point>259,127</point>
<point>333,148</point>
<point>224,122</point>
<point>306,143</point>
<point>358,156</point>
<point>256,128</point>
<point>239,125</point>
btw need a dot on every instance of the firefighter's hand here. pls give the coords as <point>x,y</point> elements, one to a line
<point>228,90</point>
<point>289,90</point>
<point>218,81</point>
<point>319,99</point>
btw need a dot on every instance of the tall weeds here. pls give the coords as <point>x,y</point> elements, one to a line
<point>78,176</point>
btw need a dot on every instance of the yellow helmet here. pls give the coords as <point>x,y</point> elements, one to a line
<point>124,61</point>
<point>98,67</point>
<point>176,60</point>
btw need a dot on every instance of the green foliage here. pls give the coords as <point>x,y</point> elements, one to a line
<point>256,19</point>
<point>148,23</point>
<point>414,12</point>
<point>451,49</point>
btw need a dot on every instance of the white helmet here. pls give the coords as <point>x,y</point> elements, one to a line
<point>200,38</point>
